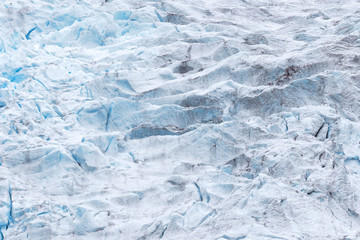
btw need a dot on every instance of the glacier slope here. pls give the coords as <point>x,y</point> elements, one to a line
<point>166,120</point>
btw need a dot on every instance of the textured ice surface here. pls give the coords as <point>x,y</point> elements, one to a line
<point>131,119</point>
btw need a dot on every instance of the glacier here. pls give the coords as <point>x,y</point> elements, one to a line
<point>162,119</point>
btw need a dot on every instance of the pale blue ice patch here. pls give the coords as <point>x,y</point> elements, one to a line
<point>122,15</point>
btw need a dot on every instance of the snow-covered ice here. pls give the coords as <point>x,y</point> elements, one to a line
<point>163,119</point>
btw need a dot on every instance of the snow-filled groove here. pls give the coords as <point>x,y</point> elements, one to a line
<point>139,119</point>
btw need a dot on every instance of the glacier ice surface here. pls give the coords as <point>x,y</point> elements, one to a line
<point>143,119</point>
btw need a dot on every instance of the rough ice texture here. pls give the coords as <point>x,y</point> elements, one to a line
<point>225,119</point>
